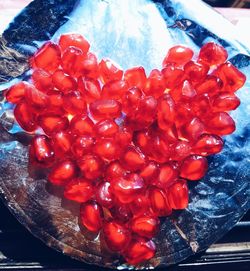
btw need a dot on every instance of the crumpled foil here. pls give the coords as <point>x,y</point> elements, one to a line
<point>131,32</point>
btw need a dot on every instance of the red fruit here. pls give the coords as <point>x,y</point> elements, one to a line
<point>201,106</point>
<point>51,123</point>
<point>41,151</point>
<point>81,125</point>
<point>193,129</point>
<point>168,174</point>
<point>178,195</point>
<point>82,145</point>
<point>179,55</point>
<point>225,101</point>
<point>142,139</point>
<point>186,111</point>
<point>132,159</point>
<point>114,171</point>
<point>135,77</point>
<point>62,172</point>
<point>75,40</point>
<point>90,89</point>
<point>210,85</point>
<point>145,226</point>
<point>106,128</point>
<point>121,212</point>
<point>89,66</point>
<point>116,235</point>
<point>17,92</point>
<point>158,202</point>
<point>55,102</point>
<point>103,195</point>
<point>25,117</point>
<point>104,109</point>
<point>155,84</point>
<point>127,188</point>
<point>196,72</point>
<point>165,112</point>
<point>123,137</point>
<point>183,92</point>
<point>63,82</point>
<point>150,172</point>
<point>173,76</point>
<point>107,149</point>
<point>62,142</point>
<point>147,109</point>
<point>212,54</point>
<point>130,101</point>
<point>42,80</point>
<point>74,103</point>
<point>114,89</point>
<point>194,167</point>
<point>109,71</point>
<point>220,123</point>
<point>91,216</point>
<point>79,190</point>
<point>48,57</point>
<point>91,166</point>
<point>37,99</point>
<point>139,250</point>
<point>207,145</point>
<point>140,205</point>
<point>160,148</point>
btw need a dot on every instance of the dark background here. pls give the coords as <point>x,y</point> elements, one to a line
<point>229,3</point>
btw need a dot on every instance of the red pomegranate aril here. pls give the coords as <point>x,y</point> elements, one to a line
<point>90,89</point>
<point>109,71</point>
<point>142,139</point>
<point>116,235</point>
<point>173,76</point>
<point>91,166</point>
<point>155,84</point>
<point>63,81</point>
<point>107,149</point>
<point>133,159</point>
<point>179,55</point>
<point>140,206</point>
<point>186,111</point>
<point>158,202</point>
<point>145,226</point>
<point>139,250</point>
<point>150,172</point>
<point>165,111</point>
<point>41,151</point>
<point>220,123</point>
<point>210,85</point>
<point>114,170</point>
<point>130,100</point>
<point>17,92</point>
<point>79,190</point>
<point>103,109</point>
<point>160,148</point>
<point>196,72</point>
<point>55,100</point>
<point>212,54</point>
<point>147,109</point>
<point>208,144</point>
<point>103,195</point>
<point>168,174</point>
<point>136,77</point>
<point>48,57</point>
<point>89,66</point>
<point>121,212</point>
<point>106,128</point>
<point>82,145</point>
<point>123,137</point>
<point>201,106</point>
<point>184,92</point>
<point>62,142</point>
<point>178,195</point>
<point>75,40</point>
<point>127,188</point>
<point>193,129</point>
<point>194,167</point>
<point>91,216</point>
<point>42,80</point>
<point>74,103</point>
<point>81,125</point>
<point>62,172</point>
<point>25,117</point>
<point>114,89</point>
<point>225,101</point>
<point>35,98</point>
<point>51,123</point>
<point>180,150</point>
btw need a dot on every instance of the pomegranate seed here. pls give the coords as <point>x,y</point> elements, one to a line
<point>91,166</point>
<point>75,40</point>
<point>184,91</point>
<point>90,89</point>
<point>168,174</point>
<point>81,125</point>
<point>147,109</point>
<point>210,85</point>
<point>178,54</point>
<point>201,105</point>
<point>178,195</point>
<point>132,159</point>
<point>89,66</point>
<point>193,129</point>
<point>103,195</point>
<point>173,76</point>
<point>48,57</point>
<point>130,100</point>
<point>220,123</point>
<point>63,82</point>
<point>82,145</point>
<point>62,142</point>
<point>51,123</point>
<point>194,167</point>
<point>142,139</point>
<point>150,172</point>
<point>225,101</point>
<point>62,172</point>
<point>106,128</point>
<point>116,235</point>
<point>107,149</point>
<point>123,137</point>
<point>109,71</point>
<point>114,171</point>
<point>140,205</point>
<point>42,80</point>
<point>74,103</point>
<point>160,148</point>
<point>91,216</point>
<point>114,89</point>
<point>79,190</point>
<point>37,99</point>
<point>196,72</point>
<point>17,92</point>
<point>55,100</point>
<point>155,84</point>
<point>212,54</point>
<point>121,212</point>
<point>135,77</point>
<point>165,112</point>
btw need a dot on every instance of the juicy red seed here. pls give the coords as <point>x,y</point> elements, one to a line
<point>82,145</point>
<point>121,212</point>
<point>145,226</point>
<point>91,166</point>
<point>220,123</point>
<point>123,137</point>
<point>117,236</point>
<point>25,117</point>
<point>90,89</point>
<point>62,172</point>
<point>210,85</point>
<point>41,151</point>
<point>142,139</point>
<point>107,149</point>
<point>132,159</point>
<point>225,101</point>
<point>109,71</point>
<point>91,216</point>
<point>194,167</point>
<point>16,93</point>
<point>135,77</point>
<point>160,148</point>
<point>106,128</point>
<point>63,82</point>
<point>158,202</point>
<point>178,195</point>
<point>150,172</point>
<point>42,80</point>
<point>165,112</point>
<point>127,188</point>
<point>207,145</point>
<point>173,76</point>
<point>212,54</point>
<point>184,92</point>
<point>79,190</point>
<point>140,205</point>
<point>147,109</point>
<point>36,98</point>
<point>103,109</point>
<point>48,57</point>
<point>75,40</point>
<point>55,100</point>
<point>74,103</point>
<point>168,174</point>
<point>193,129</point>
<point>201,105</point>
<point>139,250</point>
<point>155,84</point>
<point>130,100</point>
<point>196,72</point>
<point>114,170</point>
<point>81,125</point>
<point>178,54</point>
<point>89,66</point>
<point>114,89</point>
<point>51,123</point>
<point>103,195</point>
<point>62,142</point>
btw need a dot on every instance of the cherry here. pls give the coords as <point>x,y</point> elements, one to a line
<point>17,92</point>
<point>63,82</point>
<point>82,145</point>
<point>178,54</point>
<point>177,195</point>
<point>52,123</point>
<point>91,166</point>
<point>103,195</point>
<point>74,103</point>
<point>225,101</point>
<point>135,77</point>
<point>75,40</point>
<point>107,149</point>
<point>81,125</point>
<point>106,128</point>
<point>133,159</point>
<point>42,80</point>
<point>109,71</point>
<point>90,89</point>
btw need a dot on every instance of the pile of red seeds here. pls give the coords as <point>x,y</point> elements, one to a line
<point>124,144</point>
